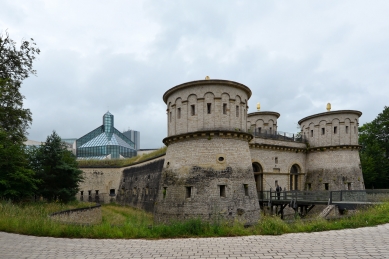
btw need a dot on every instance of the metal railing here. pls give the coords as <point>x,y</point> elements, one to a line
<point>331,197</point>
<point>278,135</point>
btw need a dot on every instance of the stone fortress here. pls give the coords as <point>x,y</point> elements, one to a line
<point>219,157</point>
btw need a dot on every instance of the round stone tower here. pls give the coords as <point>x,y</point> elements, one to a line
<point>333,159</point>
<point>262,121</point>
<point>207,171</point>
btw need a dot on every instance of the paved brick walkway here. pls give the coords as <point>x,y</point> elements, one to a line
<point>371,242</point>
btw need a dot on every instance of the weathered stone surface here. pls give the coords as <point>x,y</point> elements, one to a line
<point>87,216</point>
<point>140,185</point>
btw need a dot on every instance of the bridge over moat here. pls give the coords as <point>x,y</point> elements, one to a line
<point>304,201</point>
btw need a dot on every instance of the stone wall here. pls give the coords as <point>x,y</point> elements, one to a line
<point>276,164</point>
<point>331,128</point>
<point>216,104</point>
<point>87,216</point>
<point>338,168</point>
<point>140,185</point>
<point>208,178</point>
<point>100,184</point>
<point>265,120</point>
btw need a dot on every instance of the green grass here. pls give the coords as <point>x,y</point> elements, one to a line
<point>115,163</point>
<point>125,222</point>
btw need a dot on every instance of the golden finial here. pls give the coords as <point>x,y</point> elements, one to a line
<point>258,106</point>
<point>328,107</point>
<point>207,78</point>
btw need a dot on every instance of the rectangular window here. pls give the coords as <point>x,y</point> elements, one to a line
<point>326,186</point>
<point>209,108</point>
<point>170,116</point>
<point>276,160</point>
<point>237,111</point>
<point>222,189</point>
<point>323,131</point>
<point>82,193</point>
<point>112,192</point>
<point>179,113</point>
<point>311,133</point>
<point>224,108</point>
<point>164,192</point>
<point>188,192</point>
<point>346,129</point>
<point>97,192</point>
<point>192,110</point>
<point>348,186</point>
<point>89,193</point>
<point>309,186</point>
<point>246,189</point>
<point>335,130</point>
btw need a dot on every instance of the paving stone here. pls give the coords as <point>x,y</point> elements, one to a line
<point>369,242</point>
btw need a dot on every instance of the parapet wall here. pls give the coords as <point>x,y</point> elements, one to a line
<point>87,216</point>
<point>139,186</point>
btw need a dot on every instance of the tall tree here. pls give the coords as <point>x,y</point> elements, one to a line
<point>57,169</point>
<point>374,139</point>
<point>16,180</point>
<point>16,64</point>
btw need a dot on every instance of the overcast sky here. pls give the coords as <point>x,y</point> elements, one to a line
<point>122,56</point>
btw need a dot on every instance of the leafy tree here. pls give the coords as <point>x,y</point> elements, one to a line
<point>14,119</point>
<point>16,64</point>
<point>57,169</point>
<point>374,139</point>
<point>17,181</point>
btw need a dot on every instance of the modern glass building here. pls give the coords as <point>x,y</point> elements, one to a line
<point>105,142</point>
<point>134,136</point>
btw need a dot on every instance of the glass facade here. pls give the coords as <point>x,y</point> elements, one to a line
<point>105,142</point>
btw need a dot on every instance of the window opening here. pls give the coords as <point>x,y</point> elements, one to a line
<point>346,129</point>
<point>276,160</point>
<point>323,131</point>
<point>97,192</point>
<point>237,111</point>
<point>335,130</point>
<point>246,189</point>
<point>222,190</point>
<point>221,159</point>
<point>112,192</point>
<point>82,193</point>
<point>192,110</point>
<point>224,108</point>
<point>188,192</point>
<point>311,133</point>
<point>147,190</point>
<point>309,186</point>
<point>348,186</point>
<point>179,113</point>
<point>209,108</point>
<point>89,193</point>
<point>170,116</point>
<point>164,192</point>
<point>326,186</point>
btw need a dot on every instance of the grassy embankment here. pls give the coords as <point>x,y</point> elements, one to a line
<point>125,222</point>
<point>115,163</point>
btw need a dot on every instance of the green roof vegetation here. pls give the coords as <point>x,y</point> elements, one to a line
<point>116,163</point>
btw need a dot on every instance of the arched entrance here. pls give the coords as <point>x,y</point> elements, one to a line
<point>258,175</point>
<point>294,177</point>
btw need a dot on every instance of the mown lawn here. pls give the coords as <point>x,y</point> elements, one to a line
<point>125,222</point>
